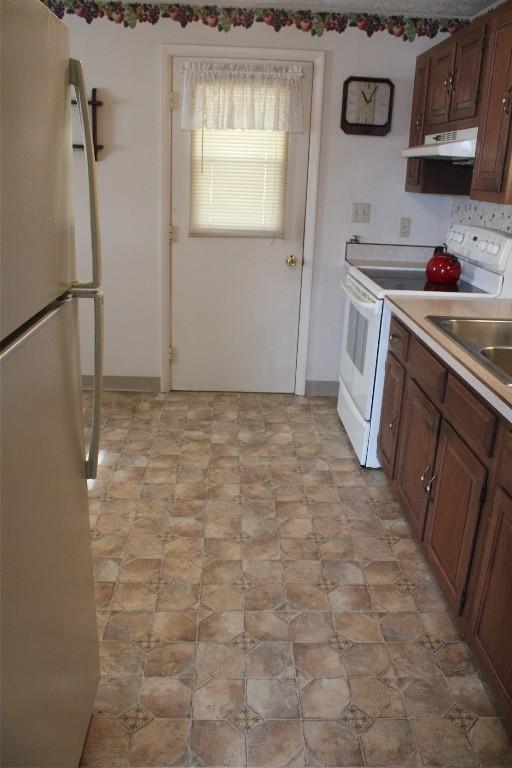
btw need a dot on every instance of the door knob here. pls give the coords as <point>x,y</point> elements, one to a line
<point>291,261</point>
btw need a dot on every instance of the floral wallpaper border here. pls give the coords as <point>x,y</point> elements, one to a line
<point>223,19</point>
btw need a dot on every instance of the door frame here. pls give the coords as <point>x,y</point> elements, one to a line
<point>317,58</point>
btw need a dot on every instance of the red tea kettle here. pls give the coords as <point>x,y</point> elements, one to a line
<point>443,267</point>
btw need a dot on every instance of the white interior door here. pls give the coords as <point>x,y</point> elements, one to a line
<point>235,300</point>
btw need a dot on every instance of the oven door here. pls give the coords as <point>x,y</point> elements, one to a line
<point>360,343</point>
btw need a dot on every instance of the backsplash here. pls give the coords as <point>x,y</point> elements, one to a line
<point>488,215</point>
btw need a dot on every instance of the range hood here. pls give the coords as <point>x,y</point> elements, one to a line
<point>451,145</point>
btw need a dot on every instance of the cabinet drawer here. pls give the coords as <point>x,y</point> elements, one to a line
<point>427,371</point>
<point>472,419</point>
<point>505,477</point>
<point>398,340</point>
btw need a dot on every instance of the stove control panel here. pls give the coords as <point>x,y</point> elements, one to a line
<point>487,247</point>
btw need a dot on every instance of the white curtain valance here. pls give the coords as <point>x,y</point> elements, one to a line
<point>240,95</point>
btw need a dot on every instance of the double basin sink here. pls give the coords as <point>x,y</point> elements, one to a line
<point>489,341</point>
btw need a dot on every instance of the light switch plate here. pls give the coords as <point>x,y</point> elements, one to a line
<point>361,213</point>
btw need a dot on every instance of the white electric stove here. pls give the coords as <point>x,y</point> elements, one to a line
<point>486,261</point>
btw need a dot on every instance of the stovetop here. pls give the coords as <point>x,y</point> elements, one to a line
<point>414,280</point>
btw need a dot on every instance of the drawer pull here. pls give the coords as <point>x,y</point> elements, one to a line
<point>431,483</point>
<point>424,475</point>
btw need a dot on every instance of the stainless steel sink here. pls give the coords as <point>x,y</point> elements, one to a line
<point>501,357</point>
<point>489,341</point>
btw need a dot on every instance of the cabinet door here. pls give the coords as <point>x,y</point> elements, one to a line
<point>455,503</point>
<point>417,452</point>
<point>505,472</point>
<point>493,625</point>
<point>419,99</point>
<point>442,62</point>
<point>467,70</point>
<point>390,414</point>
<point>494,133</point>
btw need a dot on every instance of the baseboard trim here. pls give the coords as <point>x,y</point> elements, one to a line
<point>126,383</point>
<point>322,388</point>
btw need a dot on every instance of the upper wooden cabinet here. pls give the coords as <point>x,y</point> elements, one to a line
<point>419,104</point>
<point>467,72</point>
<point>455,71</point>
<point>466,82</point>
<point>446,96</point>
<point>442,62</point>
<point>492,178</point>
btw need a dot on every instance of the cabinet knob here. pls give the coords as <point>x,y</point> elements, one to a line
<point>392,423</point>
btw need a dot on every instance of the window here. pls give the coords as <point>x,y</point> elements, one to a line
<point>238,182</point>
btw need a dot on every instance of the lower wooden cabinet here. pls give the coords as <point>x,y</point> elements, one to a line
<point>492,632</point>
<point>506,462</point>
<point>450,466</point>
<point>456,497</point>
<point>417,452</point>
<point>390,413</point>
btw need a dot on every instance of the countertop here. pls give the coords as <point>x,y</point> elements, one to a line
<point>413,314</point>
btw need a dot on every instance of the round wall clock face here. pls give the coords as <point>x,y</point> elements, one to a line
<point>367,105</point>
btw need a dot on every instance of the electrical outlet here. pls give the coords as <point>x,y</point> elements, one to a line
<point>405,227</point>
<point>360,213</point>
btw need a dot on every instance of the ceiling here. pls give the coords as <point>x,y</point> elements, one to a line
<point>440,8</point>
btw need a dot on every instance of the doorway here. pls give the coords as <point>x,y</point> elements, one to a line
<point>239,311</point>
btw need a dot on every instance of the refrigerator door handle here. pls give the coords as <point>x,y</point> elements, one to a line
<point>76,79</point>
<point>91,462</point>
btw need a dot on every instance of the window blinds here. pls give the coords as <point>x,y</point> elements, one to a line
<point>238,182</point>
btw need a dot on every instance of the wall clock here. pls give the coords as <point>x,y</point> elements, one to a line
<point>367,105</point>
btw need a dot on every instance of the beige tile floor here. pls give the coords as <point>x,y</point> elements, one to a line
<point>261,601</point>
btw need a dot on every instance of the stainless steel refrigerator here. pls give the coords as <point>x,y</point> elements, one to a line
<point>49,651</point>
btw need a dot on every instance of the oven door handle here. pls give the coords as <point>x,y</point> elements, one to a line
<point>365,305</point>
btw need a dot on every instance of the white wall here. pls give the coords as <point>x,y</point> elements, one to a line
<point>125,66</point>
